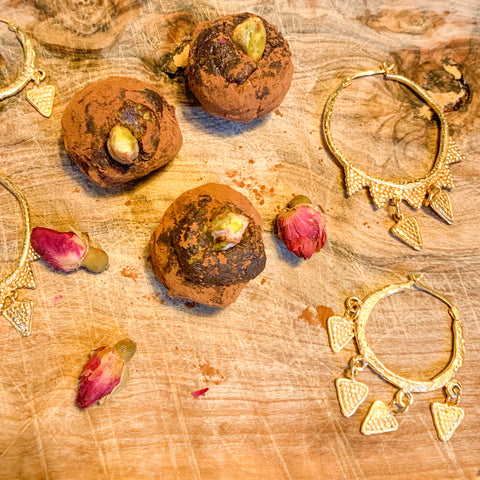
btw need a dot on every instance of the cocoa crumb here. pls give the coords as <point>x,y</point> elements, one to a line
<point>130,272</point>
<point>321,316</point>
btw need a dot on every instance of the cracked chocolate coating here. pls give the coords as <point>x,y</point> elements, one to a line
<point>129,102</point>
<point>201,262</point>
<point>227,82</point>
<point>182,252</point>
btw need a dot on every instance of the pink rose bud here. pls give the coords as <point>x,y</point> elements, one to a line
<point>301,227</point>
<point>67,251</point>
<point>103,372</point>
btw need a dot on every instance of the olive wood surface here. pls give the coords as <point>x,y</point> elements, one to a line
<point>271,410</point>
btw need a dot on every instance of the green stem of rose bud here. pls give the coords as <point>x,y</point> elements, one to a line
<point>96,260</point>
<point>299,200</point>
<point>126,349</point>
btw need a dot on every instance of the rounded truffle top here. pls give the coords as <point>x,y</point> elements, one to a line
<point>119,129</point>
<point>239,66</point>
<point>208,245</point>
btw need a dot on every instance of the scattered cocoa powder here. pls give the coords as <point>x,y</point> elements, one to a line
<point>210,373</point>
<point>323,314</point>
<point>227,82</point>
<point>318,317</point>
<point>130,272</point>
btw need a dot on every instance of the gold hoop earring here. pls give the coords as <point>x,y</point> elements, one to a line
<point>352,393</point>
<point>428,190</point>
<point>41,98</point>
<point>19,312</point>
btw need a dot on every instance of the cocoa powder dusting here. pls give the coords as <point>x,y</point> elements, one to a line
<point>132,103</point>
<point>164,249</point>
<point>309,316</point>
<point>210,373</point>
<point>227,82</point>
<point>317,317</point>
<point>323,314</point>
<point>130,272</point>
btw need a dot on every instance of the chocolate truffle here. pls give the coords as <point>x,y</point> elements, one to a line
<point>196,264</point>
<point>226,72</point>
<point>120,129</point>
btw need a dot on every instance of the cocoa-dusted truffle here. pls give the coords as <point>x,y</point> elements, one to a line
<point>239,67</point>
<point>120,129</point>
<point>208,245</point>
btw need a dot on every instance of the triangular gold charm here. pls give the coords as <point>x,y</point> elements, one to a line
<point>381,194</point>
<point>444,177</point>
<point>340,332</point>
<point>42,99</point>
<point>440,204</point>
<point>25,278</point>
<point>408,232</point>
<point>351,395</point>
<point>446,419</point>
<point>379,419</point>
<point>354,181</point>
<point>32,255</point>
<point>415,195</point>
<point>453,153</point>
<point>20,314</point>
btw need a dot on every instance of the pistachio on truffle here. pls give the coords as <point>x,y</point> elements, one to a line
<point>227,230</point>
<point>250,36</point>
<point>122,145</point>
<point>120,129</point>
<point>239,67</point>
<point>208,245</point>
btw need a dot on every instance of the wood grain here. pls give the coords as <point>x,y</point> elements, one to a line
<point>271,410</point>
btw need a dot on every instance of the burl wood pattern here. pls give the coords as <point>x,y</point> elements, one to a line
<point>271,409</point>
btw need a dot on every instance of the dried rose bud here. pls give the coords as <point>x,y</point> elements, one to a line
<point>250,37</point>
<point>122,145</point>
<point>227,230</point>
<point>301,227</point>
<point>103,372</point>
<point>67,251</point>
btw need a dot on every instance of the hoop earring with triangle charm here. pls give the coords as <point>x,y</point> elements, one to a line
<point>40,97</point>
<point>381,417</point>
<point>19,312</point>
<point>428,190</point>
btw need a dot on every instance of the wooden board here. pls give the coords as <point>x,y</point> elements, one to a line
<point>271,410</point>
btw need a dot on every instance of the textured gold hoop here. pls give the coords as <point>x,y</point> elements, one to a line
<point>19,312</point>
<point>41,98</point>
<point>427,190</point>
<point>351,393</point>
